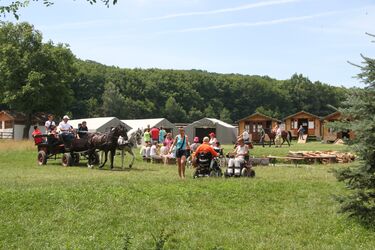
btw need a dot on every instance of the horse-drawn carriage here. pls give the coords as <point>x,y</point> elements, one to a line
<point>86,147</point>
<point>55,148</point>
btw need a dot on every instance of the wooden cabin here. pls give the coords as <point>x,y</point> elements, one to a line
<point>12,124</point>
<point>329,134</point>
<point>253,122</point>
<point>311,123</point>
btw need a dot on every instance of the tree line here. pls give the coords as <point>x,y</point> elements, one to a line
<point>37,76</point>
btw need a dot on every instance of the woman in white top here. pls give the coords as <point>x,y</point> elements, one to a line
<point>241,151</point>
<point>213,139</point>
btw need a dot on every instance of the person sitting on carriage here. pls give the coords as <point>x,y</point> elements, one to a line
<point>217,147</point>
<point>66,131</point>
<point>49,123</point>
<point>36,135</point>
<point>204,148</point>
<point>82,130</point>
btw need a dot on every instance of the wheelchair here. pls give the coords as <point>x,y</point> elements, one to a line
<point>208,166</point>
<point>245,169</point>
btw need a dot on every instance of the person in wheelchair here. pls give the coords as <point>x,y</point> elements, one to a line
<point>241,152</point>
<point>204,149</point>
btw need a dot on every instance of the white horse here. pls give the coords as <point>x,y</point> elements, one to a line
<point>135,138</point>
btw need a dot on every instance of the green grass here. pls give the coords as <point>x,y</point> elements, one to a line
<point>79,208</point>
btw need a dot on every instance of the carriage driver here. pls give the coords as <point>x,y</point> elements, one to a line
<point>66,131</point>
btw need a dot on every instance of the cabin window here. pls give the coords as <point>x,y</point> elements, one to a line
<point>254,128</point>
<point>8,124</point>
<point>311,125</point>
<point>247,127</point>
<point>1,124</point>
<point>294,124</point>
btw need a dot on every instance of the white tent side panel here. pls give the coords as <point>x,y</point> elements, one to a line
<point>225,133</point>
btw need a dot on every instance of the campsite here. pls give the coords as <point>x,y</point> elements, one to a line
<point>74,207</point>
<point>180,124</point>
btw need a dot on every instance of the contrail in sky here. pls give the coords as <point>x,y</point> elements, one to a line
<point>226,10</point>
<point>254,24</point>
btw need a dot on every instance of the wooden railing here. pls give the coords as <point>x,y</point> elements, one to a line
<point>6,135</point>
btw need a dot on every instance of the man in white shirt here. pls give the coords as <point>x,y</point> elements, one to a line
<point>241,151</point>
<point>66,131</point>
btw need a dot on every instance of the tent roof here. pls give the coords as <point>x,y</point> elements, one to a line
<point>211,121</point>
<point>143,123</point>
<point>92,123</point>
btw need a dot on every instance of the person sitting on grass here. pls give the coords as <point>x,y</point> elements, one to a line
<point>154,151</point>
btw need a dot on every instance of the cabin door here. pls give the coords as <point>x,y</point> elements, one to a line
<point>305,125</point>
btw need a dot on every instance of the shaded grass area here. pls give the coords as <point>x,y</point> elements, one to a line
<point>78,208</point>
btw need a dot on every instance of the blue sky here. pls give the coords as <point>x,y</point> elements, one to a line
<point>257,37</point>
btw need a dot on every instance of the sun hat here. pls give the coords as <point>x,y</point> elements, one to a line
<point>212,134</point>
<point>66,117</point>
<point>196,139</point>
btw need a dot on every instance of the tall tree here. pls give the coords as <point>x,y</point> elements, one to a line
<point>173,111</point>
<point>14,6</point>
<point>34,76</point>
<point>360,179</point>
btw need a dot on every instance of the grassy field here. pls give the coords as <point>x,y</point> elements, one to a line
<point>148,206</point>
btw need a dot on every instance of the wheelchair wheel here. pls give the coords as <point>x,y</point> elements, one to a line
<point>216,173</point>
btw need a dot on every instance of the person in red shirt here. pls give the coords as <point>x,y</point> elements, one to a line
<point>205,148</point>
<point>154,135</point>
<point>37,140</point>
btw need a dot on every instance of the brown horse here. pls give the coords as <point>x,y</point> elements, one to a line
<point>285,135</point>
<point>106,142</point>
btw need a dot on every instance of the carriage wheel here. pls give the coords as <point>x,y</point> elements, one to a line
<point>67,160</point>
<point>42,158</point>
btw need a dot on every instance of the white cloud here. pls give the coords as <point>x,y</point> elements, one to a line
<point>225,10</point>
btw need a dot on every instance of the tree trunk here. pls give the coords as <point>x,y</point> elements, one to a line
<point>27,126</point>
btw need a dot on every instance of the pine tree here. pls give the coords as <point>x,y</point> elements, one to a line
<point>360,179</point>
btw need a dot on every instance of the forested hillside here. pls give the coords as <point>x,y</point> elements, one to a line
<point>184,96</point>
<point>37,76</point>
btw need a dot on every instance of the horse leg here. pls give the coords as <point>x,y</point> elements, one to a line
<point>105,158</point>
<point>133,157</point>
<point>122,158</point>
<point>90,163</point>
<point>113,152</point>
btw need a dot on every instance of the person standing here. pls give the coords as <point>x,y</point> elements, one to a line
<point>278,137</point>
<point>213,139</point>
<point>147,136</point>
<point>300,132</point>
<point>182,146</point>
<point>154,135</point>
<point>162,134</point>
<point>262,135</point>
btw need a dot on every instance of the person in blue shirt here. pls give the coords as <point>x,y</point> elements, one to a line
<point>181,142</point>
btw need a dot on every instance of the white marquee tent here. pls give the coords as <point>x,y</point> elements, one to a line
<point>155,122</point>
<point>100,124</point>
<point>225,133</point>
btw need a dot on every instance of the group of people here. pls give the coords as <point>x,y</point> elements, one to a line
<point>63,130</point>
